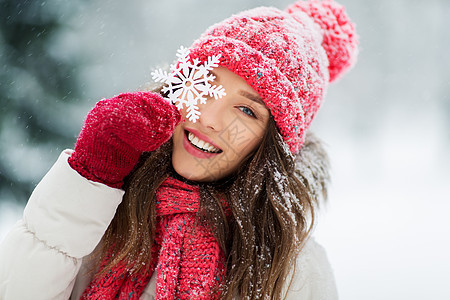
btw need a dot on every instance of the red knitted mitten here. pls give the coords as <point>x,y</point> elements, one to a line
<point>117,131</point>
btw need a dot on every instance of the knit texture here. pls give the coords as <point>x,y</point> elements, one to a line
<point>190,263</point>
<point>288,57</point>
<point>117,131</point>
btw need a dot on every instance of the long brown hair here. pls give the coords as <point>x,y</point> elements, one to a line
<point>272,198</point>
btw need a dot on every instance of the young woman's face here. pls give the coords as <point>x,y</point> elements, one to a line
<point>229,129</point>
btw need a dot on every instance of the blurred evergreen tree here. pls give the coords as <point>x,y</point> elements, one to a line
<point>35,85</point>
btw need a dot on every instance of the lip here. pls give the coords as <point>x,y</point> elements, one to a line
<point>193,150</point>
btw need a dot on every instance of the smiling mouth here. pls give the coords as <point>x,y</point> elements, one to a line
<point>200,144</point>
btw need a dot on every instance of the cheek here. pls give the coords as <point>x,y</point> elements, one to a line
<point>240,147</point>
<point>177,135</point>
<point>181,162</point>
<point>177,144</point>
<point>245,139</point>
<point>247,148</point>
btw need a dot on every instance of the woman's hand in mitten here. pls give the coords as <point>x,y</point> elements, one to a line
<point>117,131</point>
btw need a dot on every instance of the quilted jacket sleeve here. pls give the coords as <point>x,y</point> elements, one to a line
<point>63,221</point>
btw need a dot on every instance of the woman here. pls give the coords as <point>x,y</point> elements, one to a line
<point>211,198</point>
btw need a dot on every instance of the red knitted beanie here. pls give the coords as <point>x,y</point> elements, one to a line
<point>288,57</point>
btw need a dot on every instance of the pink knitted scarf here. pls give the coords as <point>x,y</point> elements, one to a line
<point>189,262</point>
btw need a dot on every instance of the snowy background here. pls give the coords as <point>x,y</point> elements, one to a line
<point>386,125</point>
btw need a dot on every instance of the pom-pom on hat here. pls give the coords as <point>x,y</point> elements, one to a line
<point>288,57</point>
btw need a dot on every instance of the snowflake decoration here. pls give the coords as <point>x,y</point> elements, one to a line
<point>189,83</point>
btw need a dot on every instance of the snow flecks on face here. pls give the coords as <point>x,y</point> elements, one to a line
<point>190,82</point>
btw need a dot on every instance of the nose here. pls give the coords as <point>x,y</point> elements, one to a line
<point>212,114</point>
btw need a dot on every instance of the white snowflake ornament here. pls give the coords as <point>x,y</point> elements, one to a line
<point>189,83</point>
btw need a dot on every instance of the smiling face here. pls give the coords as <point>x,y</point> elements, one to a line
<point>229,129</point>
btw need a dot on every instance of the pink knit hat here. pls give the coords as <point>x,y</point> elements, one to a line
<point>288,57</point>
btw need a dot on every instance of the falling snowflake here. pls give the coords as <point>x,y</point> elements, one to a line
<point>189,82</point>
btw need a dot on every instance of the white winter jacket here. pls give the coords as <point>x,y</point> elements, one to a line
<point>64,220</point>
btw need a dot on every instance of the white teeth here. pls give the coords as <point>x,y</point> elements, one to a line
<point>202,144</point>
<point>195,140</point>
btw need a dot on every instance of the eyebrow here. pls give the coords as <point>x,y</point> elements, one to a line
<point>248,95</point>
<point>253,97</point>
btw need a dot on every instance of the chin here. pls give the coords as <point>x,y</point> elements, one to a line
<point>187,175</point>
<point>188,172</point>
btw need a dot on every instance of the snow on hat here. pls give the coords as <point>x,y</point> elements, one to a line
<point>288,57</point>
